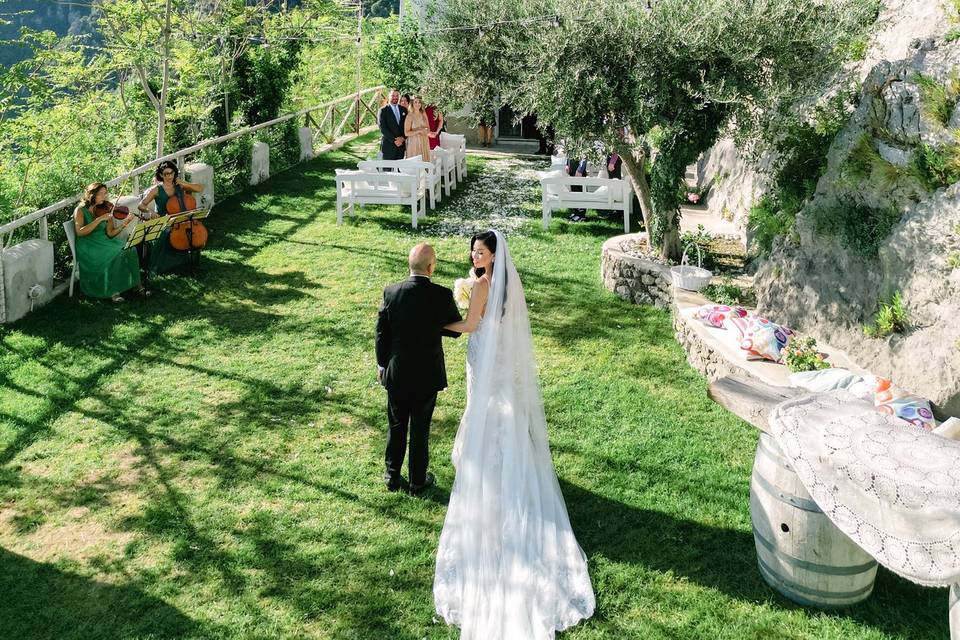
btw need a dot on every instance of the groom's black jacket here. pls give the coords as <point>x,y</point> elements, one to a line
<point>409,328</point>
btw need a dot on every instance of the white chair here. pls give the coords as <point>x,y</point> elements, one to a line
<point>447,163</point>
<point>457,144</point>
<point>355,187</point>
<point>71,230</point>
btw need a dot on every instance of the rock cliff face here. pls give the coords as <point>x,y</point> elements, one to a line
<point>821,287</point>
<point>736,182</point>
<point>812,281</point>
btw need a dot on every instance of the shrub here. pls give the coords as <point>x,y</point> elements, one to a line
<point>766,222</point>
<point>937,167</point>
<point>724,292</point>
<point>891,318</point>
<point>801,354</point>
<point>860,228</point>
<point>953,260</point>
<point>701,238</point>
<point>938,100</point>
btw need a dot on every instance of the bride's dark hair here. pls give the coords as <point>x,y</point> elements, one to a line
<point>489,240</point>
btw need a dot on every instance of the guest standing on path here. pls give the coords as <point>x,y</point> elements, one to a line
<point>416,128</point>
<point>392,117</point>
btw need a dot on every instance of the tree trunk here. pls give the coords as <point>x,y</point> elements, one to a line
<point>162,110</point>
<point>671,239</point>
<point>638,178</point>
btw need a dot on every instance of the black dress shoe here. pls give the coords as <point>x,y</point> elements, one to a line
<point>417,489</point>
<point>393,484</point>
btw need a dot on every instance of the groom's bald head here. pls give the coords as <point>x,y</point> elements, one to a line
<point>423,260</point>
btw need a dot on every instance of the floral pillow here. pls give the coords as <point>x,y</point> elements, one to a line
<point>714,315</point>
<point>913,409</point>
<point>760,338</point>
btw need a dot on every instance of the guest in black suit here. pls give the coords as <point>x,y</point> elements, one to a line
<point>410,363</point>
<point>391,118</point>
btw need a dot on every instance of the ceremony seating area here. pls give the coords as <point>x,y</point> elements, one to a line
<point>410,182</point>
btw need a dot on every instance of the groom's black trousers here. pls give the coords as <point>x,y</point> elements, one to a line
<point>413,414</point>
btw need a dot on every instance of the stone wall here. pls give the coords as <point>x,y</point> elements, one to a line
<point>639,280</point>
<point>700,355</point>
<point>644,281</point>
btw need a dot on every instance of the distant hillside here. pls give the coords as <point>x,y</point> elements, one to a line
<point>40,15</point>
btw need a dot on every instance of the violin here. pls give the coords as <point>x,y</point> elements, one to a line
<point>119,212</point>
<point>188,235</point>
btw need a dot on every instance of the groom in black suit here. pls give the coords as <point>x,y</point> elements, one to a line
<point>392,116</point>
<point>410,363</point>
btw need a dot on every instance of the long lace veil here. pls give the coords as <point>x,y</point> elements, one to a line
<point>508,563</point>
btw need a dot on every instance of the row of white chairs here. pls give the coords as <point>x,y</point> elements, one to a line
<point>408,182</point>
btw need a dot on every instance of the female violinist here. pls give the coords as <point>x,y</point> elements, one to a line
<point>169,186</point>
<point>106,269</point>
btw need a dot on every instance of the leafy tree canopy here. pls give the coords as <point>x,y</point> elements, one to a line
<point>660,77</point>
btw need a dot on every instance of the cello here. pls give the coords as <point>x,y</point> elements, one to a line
<point>189,235</point>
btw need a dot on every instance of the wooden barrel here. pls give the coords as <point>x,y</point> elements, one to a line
<point>800,552</point>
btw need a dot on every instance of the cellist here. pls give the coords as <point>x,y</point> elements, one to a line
<point>169,185</point>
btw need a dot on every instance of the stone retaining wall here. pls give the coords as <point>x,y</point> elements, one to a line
<point>644,281</point>
<point>638,280</point>
<point>700,355</point>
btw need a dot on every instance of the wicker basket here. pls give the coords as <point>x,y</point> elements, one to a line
<point>689,277</point>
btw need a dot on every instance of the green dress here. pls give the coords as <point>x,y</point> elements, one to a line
<point>105,266</point>
<point>162,257</point>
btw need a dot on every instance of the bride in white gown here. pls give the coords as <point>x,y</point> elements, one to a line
<point>508,564</point>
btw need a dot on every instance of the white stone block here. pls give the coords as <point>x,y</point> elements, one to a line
<point>25,266</point>
<point>200,173</point>
<point>259,163</point>
<point>306,143</point>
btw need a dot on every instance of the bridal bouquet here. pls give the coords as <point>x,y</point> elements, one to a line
<point>462,287</point>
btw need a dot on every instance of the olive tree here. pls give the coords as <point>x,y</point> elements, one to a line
<point>656,80</point>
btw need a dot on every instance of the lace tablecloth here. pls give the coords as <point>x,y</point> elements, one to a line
<point>893,488</point>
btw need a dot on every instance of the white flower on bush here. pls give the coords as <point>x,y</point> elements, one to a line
<point>462,288</point>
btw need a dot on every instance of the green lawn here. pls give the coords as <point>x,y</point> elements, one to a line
<point>206,462</point>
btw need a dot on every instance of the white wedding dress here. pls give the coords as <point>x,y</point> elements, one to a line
<point>508,564</point>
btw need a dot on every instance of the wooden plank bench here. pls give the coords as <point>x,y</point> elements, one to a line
<point>355,187</point>
<point>596,193</point>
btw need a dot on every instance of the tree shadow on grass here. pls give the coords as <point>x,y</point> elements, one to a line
<point>725,560</point>
<point>42,601</point>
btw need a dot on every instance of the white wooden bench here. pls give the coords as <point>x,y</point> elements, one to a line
<point>446,161</point>
<point>597,193</point>
<point>457,144</point>
<point>356,187</point>
<point>429,174</point>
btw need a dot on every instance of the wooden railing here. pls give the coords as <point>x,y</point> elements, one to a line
<point>359,110</point>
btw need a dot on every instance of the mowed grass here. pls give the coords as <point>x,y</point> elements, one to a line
<point>206,463</point>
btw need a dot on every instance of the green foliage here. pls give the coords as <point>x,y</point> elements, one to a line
<point>801,354</point>
<point>891,318</point>
<point>953,260</point>
<point>725,292</point>
<point>938,100</point>
<point>690,240</point>
<point>400,57</point>
<point>861,229</point>
<point>801,145</point>
<point>937,166</point>
<point>708,76</point>
<point>767,221</point>
<point>864,166</point>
